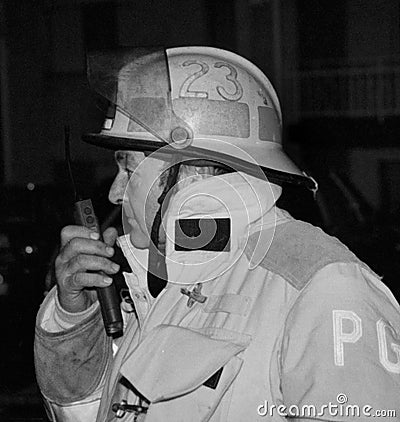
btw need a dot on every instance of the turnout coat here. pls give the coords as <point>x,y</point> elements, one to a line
<point>287,322</point>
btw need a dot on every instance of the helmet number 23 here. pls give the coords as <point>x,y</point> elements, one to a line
<point>185,90</point>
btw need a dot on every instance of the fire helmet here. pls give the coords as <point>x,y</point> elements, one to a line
<point>203,103</point>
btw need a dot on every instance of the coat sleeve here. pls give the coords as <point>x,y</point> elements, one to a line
<point>340,354</point>
<point>70,364</point>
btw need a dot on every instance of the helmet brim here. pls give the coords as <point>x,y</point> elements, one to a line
<point>195,153</point>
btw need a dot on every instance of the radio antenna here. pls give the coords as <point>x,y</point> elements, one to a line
<point>67,144</point>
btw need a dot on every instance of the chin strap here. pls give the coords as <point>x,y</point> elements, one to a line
<point>157,276</point>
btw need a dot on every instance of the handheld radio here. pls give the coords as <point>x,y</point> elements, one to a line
<point>84,215</point>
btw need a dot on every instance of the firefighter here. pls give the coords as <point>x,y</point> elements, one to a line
<point>236,311</point>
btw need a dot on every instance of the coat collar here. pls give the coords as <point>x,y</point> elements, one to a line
<point>248,202</point>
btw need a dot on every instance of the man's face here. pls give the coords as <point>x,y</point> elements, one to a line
<point>137,188</point>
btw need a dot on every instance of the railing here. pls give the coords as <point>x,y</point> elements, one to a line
<point>364,89</point>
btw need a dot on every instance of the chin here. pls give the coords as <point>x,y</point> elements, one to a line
<point>139,240</point>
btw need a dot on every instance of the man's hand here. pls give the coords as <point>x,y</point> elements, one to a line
<point>81,251</point>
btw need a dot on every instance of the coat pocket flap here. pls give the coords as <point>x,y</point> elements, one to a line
<point>172,361</point>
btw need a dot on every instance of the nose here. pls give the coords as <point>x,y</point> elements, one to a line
<point>116,194</point>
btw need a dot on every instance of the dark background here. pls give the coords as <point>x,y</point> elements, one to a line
<point>335,65</point>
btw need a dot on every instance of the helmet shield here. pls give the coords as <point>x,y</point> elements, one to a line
<point>137,81</point>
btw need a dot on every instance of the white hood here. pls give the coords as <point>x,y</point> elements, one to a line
<point>248,202</point>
